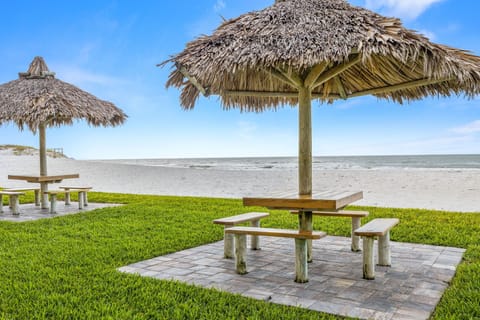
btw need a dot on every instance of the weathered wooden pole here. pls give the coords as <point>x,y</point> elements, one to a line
<point>301,266</point>
<point>305,141</point>
<point>305,158</point>
<point>43,164</point>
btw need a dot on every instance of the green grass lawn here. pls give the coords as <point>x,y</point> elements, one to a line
<point>65,268</point>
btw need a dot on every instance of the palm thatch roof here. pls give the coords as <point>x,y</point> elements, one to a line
<point>38,98</point>
<point>337,51</point>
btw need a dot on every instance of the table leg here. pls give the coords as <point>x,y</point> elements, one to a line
<point>305,222</point>
<point>44,196</point>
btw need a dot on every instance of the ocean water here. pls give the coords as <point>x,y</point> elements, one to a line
<point>319,163</point>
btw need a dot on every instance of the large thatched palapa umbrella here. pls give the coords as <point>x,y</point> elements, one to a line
<point>37,100</point>
<point>298,50</point>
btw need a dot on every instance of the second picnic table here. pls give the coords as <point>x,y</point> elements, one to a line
<point>306,204</point>
<point>44,181</point>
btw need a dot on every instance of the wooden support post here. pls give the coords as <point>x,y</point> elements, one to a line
<point>67,197</point>
<point>305,222</point>
<point>43,164</point>
<point>241,253</point>
<point>228,249</point>
<point>37,197</point>
<point>44,198</point>
<point>14,203</point>
<point>255,240</point>
<point>301,265</point>
<point>53,203</point>
<point>384,257</point>
<point>81,199</point>
<point>1,203</point>
<point>305,157</point>
<point>368,258</point>
<point>305,141</point>
<point>355,239</point>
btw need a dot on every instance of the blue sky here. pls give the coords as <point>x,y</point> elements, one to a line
<point>111,48</point>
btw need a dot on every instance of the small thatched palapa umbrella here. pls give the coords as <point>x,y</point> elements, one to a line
<point>38,100</point>
<point>298,50</point>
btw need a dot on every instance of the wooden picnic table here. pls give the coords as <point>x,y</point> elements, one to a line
<point>305,204</point>
<point>327,200</point>
<point>44,181</point>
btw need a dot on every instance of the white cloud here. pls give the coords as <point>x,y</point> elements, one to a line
<point>407,9</point>
<point>469,128</point>
<point>80,77</point>
<point>219,5</point>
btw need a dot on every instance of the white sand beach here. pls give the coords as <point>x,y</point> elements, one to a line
<point>442,189</point>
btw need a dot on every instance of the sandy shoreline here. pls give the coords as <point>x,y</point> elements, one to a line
<point>451,190</point>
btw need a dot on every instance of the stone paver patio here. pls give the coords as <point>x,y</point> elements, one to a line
<point>30,212</point>
<point>410,289</point>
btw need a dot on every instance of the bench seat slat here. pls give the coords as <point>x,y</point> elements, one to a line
<point>241,218</point>
<point>11,193</point>
<point>340,213</point>
<point>65,191</point>
<point>21,189</point>
<point>272,232</point>
<point>377,227</point>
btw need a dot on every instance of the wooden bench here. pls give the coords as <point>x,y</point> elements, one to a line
<point>36,190</point>
<point>53,197</point>
<point>81,191</point>
<point>301,264</point>
<point>376,228</point>
<point>252,217</point>
<point>356,221</point>
<point>13,200</point>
